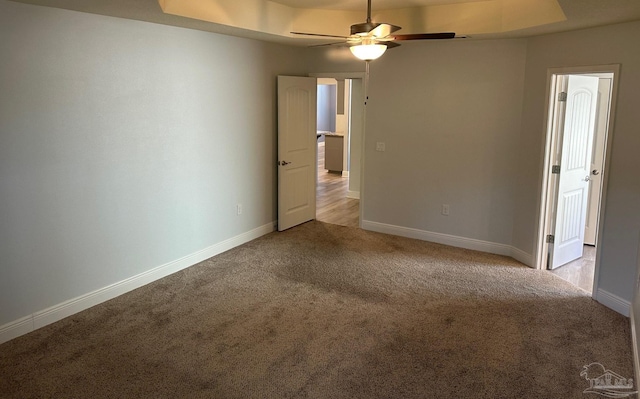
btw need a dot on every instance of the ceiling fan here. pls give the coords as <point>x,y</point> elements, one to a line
<point>369,40</point>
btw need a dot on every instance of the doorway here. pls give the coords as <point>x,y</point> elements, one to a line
<point>579,125</point>
<point>340,130</point>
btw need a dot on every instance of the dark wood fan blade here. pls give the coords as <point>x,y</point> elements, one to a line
<point>384,30</point>
<point>330,44</point>
<point>425,36</point>
<point>318,35</point>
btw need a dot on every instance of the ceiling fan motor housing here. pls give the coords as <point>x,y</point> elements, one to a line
<point>364,27</point>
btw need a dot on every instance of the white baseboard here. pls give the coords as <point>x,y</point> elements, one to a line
<point>353,194</point>
<point>345,173</point>
<point>521,256</point>
<point>613,302</point>
<point>58,312</point>
<point>16,328</point>
<point>454,241</point>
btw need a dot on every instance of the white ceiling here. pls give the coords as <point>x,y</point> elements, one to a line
<point>578,14</point>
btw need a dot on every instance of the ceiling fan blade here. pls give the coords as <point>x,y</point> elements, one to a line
<point>425,36</point>
<point>319,35</point>
<point>330,44</point>
<point>383,30</point>
<point>391,45</point>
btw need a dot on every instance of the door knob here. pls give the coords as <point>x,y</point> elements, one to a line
<point>595,172</point>
<point>283,163</point>
<point>586,178</point>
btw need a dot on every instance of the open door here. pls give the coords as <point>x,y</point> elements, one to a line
<point>296,150</point>
<point>575,169</point>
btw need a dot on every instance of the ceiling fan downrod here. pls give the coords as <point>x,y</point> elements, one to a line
<point>364,28</point>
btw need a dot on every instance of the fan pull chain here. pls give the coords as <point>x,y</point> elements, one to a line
<point>366,82</point>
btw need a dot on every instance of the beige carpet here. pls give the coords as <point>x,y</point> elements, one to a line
<point>324,311</point>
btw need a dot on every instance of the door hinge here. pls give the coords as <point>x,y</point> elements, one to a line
<point>562,96</point>
<point>551,239</point>
<point>555,169</point>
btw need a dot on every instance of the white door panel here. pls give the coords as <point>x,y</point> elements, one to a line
<point>296,150</point>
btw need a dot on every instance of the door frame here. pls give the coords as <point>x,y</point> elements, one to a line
<point>362,77</point>
<point>599,154</point>
<point>546,189</point>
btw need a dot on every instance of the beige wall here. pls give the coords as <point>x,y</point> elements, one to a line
<point>449,114</point>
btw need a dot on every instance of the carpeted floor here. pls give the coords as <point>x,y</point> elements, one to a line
<point>325,311</point>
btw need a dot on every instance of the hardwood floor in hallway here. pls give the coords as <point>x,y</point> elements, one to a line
<point>332,204</point>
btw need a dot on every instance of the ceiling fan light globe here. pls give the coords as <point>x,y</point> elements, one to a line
<point>368,52</point>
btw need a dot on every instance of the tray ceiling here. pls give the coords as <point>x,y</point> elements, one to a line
<point>273,20</point>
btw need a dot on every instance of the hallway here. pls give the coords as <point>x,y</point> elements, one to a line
<point>332,204</point>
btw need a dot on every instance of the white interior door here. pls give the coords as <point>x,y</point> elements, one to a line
<point>296,150</point>
<point>575,165</point>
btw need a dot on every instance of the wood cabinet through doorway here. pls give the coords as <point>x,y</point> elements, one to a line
<point>333,152</point>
